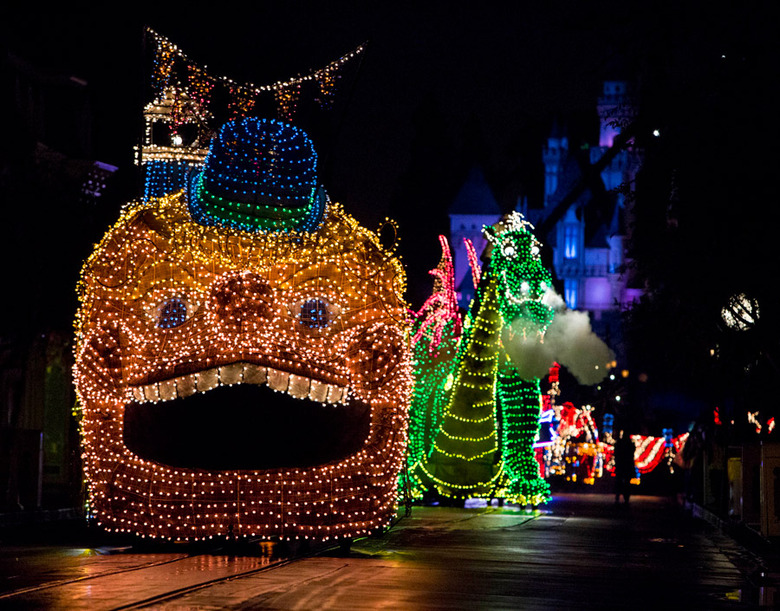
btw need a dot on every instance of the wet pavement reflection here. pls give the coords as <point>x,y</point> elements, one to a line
<point>580,551</point>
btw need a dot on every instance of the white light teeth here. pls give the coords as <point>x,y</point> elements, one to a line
<point>295,385</point>
<point>278,380</point>
<point>231,374</point>
<point>318,391</point>
<point>152,392</point>
<point>299,386</point>
<point>254,374</point>
<point>167,390</point>
<point>335,394</point>
<point>206,380</point>
<point>186,385</point>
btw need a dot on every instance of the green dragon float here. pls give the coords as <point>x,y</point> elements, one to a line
<point>473,417</point>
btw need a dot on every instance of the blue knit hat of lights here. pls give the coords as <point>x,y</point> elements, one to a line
<point>259,175</point>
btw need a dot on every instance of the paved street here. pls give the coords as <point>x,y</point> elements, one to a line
<point>580,551</point>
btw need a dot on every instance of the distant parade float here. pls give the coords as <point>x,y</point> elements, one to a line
<point>572,447</point>
<point>242,363</point>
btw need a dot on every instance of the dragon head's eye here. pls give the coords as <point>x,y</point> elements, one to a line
<point>172,313</point>
<point>315,313</point>
<point>509,251</point>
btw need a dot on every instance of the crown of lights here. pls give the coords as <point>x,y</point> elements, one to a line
<point>514,221</point>
<point>173,68</point>
<point>191,102</point>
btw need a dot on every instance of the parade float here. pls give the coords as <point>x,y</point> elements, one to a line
<point>245,361</point>
<point>241,356</point>
<point>480,424</point>
<point>473,417</point>
<point>571,447</point>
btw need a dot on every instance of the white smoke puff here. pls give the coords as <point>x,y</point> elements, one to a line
<point>553,300</point>
<point>569,340</point>
<point>531,357</point>
<point>578,348</point>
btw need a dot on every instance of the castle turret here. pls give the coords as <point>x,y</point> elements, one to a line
<point>615,108</point>
<point>554,154</point>
<point>474,207</point>
<point>176,141</point>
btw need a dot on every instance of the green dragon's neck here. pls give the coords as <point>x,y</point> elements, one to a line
<point>462,459</point>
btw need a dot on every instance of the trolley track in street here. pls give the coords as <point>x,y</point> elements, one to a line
<point>187,573</point>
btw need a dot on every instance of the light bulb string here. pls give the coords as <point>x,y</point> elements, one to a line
<point>319,75</point>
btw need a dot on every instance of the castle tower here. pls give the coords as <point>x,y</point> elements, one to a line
<point>176,141</point>
<point>474,207</point>
<point>589,248</point>
<point>554,154</point>
<point>615,107</point>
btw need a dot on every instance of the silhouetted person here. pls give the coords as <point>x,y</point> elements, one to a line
<point>624,466</point>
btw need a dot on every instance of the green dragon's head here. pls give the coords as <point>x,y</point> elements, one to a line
<point>522,279</point>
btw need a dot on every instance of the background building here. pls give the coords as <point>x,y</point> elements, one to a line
<point>589,241</point>
<point>473,207</point>
<point>53,188</point>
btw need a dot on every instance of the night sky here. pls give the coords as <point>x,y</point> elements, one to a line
<point>442,85</point>
<point>510,71</point>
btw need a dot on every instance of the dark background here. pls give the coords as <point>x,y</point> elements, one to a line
<point>440,83</point>
<point>440,87</point>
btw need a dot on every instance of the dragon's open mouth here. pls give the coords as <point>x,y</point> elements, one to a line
<point>217,421</point>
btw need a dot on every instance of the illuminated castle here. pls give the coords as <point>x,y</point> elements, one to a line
<point>589,241</point>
